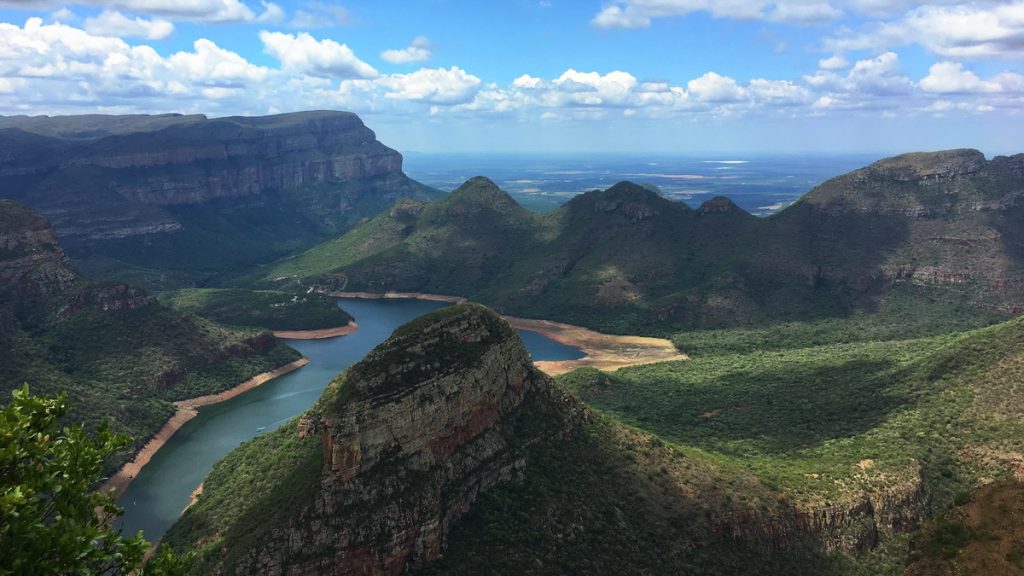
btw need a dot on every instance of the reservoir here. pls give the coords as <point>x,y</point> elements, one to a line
<point>155,499</point>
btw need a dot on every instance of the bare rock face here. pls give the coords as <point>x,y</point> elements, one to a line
<point>31,261</point>
<point>195,161</point>
<point>412,435</point>
<point>196,194</point>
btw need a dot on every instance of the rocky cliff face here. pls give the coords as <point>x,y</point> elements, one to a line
<point>31,261</point>
<point>34,270</point>
<point>152,187</point>
<point>924,185</point>
<point>412,435</point>
<point>851,525</point>
<point>192,162</point>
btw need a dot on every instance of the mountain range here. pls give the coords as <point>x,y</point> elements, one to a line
<point>850,404</point>
<point>944,226</point>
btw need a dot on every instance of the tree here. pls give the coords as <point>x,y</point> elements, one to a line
<point>52,520</point>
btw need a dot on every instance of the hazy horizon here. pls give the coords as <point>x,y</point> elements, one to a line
<point>782,76</point>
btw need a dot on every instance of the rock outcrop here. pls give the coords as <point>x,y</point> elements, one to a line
<point>924,185</point>
<point>851,525</point>
<point>412,435</point>
<point>31,261</point>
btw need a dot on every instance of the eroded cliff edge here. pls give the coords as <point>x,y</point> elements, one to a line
<point>184,193</point>
<point>446,441</point>
<point>396,451</point>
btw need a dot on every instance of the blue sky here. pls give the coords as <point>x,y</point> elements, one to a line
<point>550,75</point>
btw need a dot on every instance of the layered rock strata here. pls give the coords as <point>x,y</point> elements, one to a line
<point>412,435</point>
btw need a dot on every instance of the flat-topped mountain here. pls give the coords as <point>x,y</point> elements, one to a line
<point>924,184</point>
<point>944,226</point>
<point>180,198</point>
<point>119,355</point>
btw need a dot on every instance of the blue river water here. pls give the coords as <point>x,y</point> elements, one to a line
<point>155,499</point>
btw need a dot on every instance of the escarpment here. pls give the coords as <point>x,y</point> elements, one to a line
<point>851,525</point>
<point>194,195</point>
<point>403,445</point>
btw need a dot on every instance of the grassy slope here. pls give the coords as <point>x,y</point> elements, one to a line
<point>273,310</point>
<point>734,430</point>
<point>110,363</point>
<point>803,418</point>
<point>983,535</point>
<point>383,231</point>
<point>626,260</point>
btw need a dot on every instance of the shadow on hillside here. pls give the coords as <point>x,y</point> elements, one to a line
<point>827,265</point>
<point>772,409</point>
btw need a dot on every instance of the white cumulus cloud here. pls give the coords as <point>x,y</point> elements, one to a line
<point>952,78</point>
<point>210,11</point>
<point>712,87</point>
<point>305,54</point>
<point>835,62</point>
<point>967,30</point>
<point>113,23</point>
<point>640,13</point>
<point>442,86</point>
<point>417,51</point>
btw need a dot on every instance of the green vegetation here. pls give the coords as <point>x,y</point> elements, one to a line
<point>51,522</point>
<point>253,489</point>
<point>269,309</point>
<point>121,357</point>
<point>826,415</point>
<point>982,535</point>
<point>627,260</point>
<point>183,218</point>
<point>737,429</point>
<point>614,501</point>
<point>901,316</point>
<point>125,368</point>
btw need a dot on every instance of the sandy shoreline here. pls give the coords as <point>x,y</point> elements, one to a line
<point>603,351</point>
<point>400,295</point>
<point>318,334</point>
<point>186,410</point>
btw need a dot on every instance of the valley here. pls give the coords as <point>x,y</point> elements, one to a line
<point>519,288</point>
<point>154,499</point>
<point>455,384</point>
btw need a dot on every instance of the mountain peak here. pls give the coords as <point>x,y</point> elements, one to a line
<point>719,205</point>
<point>411,436</point>
<point>631,200</point>
<point>480,191</point>
<point>917,185</point>
<point>440,343</point>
